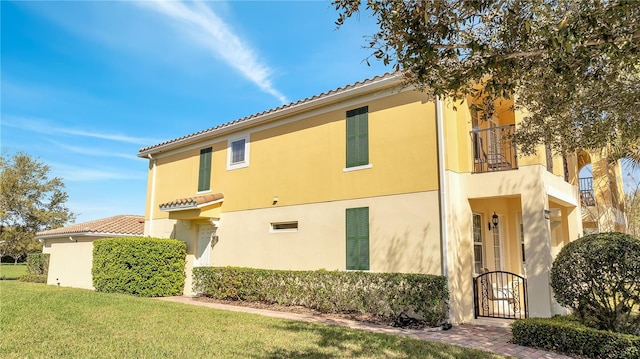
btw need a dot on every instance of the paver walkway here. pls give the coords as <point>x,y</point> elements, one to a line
<point>488,338</point>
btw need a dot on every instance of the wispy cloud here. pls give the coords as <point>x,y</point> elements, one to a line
<point>94,152</point>
<point>218,36</point>
<point>45,127</point>
<point>72,173</point>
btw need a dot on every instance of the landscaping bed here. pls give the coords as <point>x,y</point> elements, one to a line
<point>406,300</point>
<point>360,317</point>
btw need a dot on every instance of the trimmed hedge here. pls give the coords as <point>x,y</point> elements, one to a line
<point>33,278</point>
<point>38,264</point>
<point>598,277</point>
<point>573,338</point>
<point>145,267</point>
<point>387,295</point>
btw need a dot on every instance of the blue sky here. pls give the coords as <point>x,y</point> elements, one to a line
<point>86,84</point>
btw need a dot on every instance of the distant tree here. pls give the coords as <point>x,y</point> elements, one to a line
<point>30,202</point>
<point>573,64</point>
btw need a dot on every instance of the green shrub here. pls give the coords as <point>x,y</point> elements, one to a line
<point>34,278</point>
<point>146,267</point>
<point>38,263</point>
<point>598,277</point>
<point>573,338</point>
<point>382,294</point>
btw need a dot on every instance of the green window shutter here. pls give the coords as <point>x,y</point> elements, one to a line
<point>357,233</point>
<point>352,240</point>
<point>358,137</point>
<point>204,175</point>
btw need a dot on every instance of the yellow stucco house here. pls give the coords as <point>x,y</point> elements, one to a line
<point>379,177</point>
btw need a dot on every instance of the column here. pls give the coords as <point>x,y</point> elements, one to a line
<point>537,246</point>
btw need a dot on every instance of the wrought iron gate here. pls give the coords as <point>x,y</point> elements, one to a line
<point>500,294</point>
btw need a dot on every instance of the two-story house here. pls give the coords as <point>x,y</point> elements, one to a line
<point>373,176</point>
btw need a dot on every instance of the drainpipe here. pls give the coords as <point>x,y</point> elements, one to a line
<point>153,194</point>
<point>444,240</point>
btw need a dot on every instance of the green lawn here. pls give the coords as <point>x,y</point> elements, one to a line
<point>40,321</point>
<point>11,271</point>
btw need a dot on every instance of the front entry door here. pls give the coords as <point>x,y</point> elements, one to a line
<point>203,254</point>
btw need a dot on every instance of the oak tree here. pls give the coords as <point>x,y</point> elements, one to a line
<point>573,64</point>
<point>30,202</point>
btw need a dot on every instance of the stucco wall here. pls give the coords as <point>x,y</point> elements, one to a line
<point>70,262</point>
<point>404,236</point>
<point>301,159</point>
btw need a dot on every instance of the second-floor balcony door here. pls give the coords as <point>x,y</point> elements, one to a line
<point>203,253</point>
<point>495,145</point>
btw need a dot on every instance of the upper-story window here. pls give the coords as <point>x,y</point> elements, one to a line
<point>238,153</point>
<point>204,174</point>
<point>358,137</point>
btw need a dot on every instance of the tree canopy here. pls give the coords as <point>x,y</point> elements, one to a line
<point>573,64</point>
<point>30,201</point>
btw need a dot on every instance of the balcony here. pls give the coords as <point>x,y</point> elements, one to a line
<point>587,197</point>
<point>494,149</point>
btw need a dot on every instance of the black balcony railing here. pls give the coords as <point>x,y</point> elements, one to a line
<point>587,197</point>
<point>494,149</point>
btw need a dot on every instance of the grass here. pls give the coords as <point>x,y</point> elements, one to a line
<point>11,271</point>
<point>41,321</point>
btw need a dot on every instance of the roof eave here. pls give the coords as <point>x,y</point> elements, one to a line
<point>87,234</point>
<point>178,208</point>
<point>359,89</point>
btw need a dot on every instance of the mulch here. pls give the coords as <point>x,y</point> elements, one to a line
<point>402,321</point>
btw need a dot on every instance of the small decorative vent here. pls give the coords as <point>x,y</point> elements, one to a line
<point>284,226</point>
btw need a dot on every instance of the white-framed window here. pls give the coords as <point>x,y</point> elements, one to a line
<point>497,247</point>
<point>478,255</point>
<point>238,152</point>
<point>277,227</point>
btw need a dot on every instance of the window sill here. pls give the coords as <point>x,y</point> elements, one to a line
<point>203,192</point>
<point>236,166</point>
<point>357,168</point>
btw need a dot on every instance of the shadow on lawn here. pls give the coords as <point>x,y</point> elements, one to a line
<point>335,341</point>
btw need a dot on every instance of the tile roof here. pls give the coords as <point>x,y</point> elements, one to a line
<point>394,76</point>
<point>191,202</point>
<point>120,224</point>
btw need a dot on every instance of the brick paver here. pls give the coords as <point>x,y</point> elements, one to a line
<point>483,337</point>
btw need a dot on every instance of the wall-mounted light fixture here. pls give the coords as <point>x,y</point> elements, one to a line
<point>494,221</point>
<point>275,200</point>
<point>73,239</point>
<point>546,213</point>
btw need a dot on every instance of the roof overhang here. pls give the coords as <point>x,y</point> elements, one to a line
<point>185,207</point>
<point>86,234</point>
<point>192,208</point>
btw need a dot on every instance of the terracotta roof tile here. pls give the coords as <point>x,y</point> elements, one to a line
<point>389,75</point>
<point>121,224</point>
<point>192,202</point>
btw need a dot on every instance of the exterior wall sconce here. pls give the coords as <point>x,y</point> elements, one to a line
<point>494,221</point>
<point>546,213</point>
<point>275,200</point>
